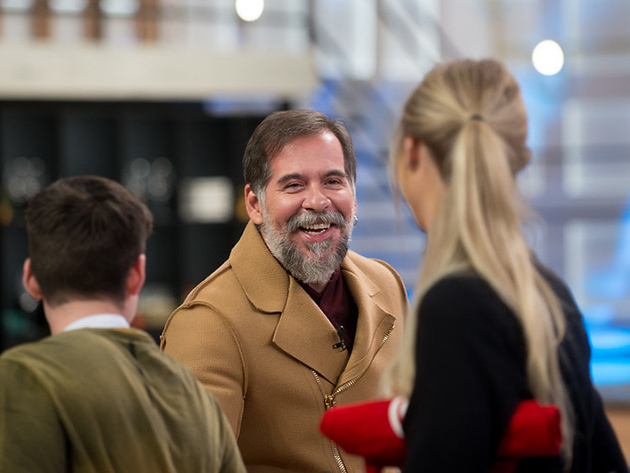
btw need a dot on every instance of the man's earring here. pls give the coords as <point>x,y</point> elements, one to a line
<point>355,220</point>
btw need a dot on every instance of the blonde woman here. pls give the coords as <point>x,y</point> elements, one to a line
<point>490,326</point>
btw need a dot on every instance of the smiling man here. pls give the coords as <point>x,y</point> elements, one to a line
<point>293,322</point>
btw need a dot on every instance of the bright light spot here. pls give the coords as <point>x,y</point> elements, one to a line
<point>68,6</point>
<point>249,10</point>
<point>548,57</point>
<point>16,5</point>
<point>119,7</point>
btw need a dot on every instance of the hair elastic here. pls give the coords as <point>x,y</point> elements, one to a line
<point>476,116</point>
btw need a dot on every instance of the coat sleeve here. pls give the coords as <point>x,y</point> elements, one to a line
<point>607,455</point>
<point>469,378</point>
<point>228,456</point>
<point>31,435</point>
<point>204,341</point>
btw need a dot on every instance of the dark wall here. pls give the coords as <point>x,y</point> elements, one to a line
<point>154,149</point>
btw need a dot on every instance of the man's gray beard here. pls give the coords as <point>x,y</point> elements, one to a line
<point>316,269</point>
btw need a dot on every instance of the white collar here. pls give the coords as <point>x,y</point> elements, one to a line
<point>99,321</point>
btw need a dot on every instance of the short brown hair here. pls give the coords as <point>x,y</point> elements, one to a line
<point>278,130</point>
<point>84,235</point>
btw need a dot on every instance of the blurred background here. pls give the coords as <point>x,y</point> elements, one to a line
<point>162,95</point>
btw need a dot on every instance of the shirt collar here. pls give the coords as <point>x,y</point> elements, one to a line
<point>330,286</point>
<point>99,321</point>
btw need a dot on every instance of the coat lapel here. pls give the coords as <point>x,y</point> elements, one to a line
<point>305,333</point>
<point>263,279</point>
<point>375,319</point>
<point>303,330</point>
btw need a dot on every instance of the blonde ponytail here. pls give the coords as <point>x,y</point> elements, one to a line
<point>471,117</point>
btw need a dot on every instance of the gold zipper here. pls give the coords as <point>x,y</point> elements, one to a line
<point>329,400</point>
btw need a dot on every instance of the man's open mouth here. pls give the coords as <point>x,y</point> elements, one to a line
<point>316,229</point>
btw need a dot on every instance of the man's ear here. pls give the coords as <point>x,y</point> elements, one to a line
<point>252,204</point>
<point>30,281</point>
<point>136,276</point>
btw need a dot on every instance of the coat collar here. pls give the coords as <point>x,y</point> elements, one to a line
<point>303,331</point>
<point>264,281</point>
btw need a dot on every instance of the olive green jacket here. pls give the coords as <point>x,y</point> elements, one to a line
<point>107,401</point>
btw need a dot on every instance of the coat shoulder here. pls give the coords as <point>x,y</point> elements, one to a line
<point>220,280</point>
<point>379,279</point>
<point>376,270</point>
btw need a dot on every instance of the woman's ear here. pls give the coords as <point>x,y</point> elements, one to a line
<point>30,281</point>
<point>252,205</point>
<point>411,152</point>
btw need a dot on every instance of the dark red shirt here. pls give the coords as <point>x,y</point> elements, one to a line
<point>337,304</point>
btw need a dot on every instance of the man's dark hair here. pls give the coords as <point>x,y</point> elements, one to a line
<point>84,235</point>
<point>278,130</point>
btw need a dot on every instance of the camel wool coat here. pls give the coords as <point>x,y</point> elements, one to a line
<point>260,344</point>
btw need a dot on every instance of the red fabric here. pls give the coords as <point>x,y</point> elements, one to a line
<point>534,431</point>
<point>364,429</point>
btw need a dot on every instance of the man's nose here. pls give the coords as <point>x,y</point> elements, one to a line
<point>315,199</point>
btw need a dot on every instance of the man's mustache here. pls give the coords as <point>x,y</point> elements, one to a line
<point>326,217</point>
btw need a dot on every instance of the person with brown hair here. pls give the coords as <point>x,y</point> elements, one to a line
<point>293,322</point>
<point>490,325</point>
<point>98,396</point>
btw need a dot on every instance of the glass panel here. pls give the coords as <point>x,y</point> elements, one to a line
<point>596,139</point>
<point>598,270</point>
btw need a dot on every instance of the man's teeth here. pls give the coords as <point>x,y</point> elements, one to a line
<point>317,228</point>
